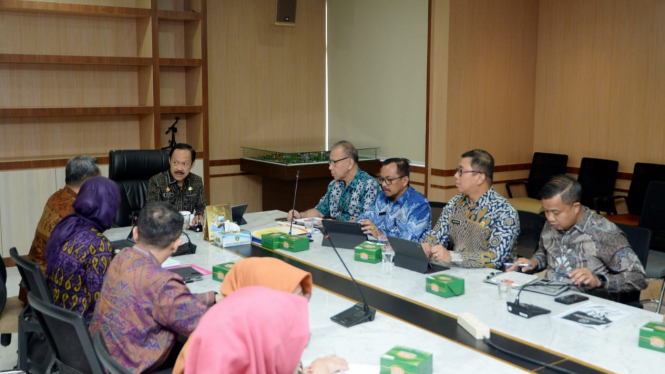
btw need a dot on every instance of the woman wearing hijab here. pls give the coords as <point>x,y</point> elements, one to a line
<point>249,273</point>
<point>77,253</point>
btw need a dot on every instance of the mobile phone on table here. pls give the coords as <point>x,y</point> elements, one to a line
<point>571,299</point>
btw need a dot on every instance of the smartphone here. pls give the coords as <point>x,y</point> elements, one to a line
<point>571,299</point>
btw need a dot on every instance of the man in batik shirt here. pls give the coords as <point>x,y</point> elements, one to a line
<point>143,307</point>
<point>78,170</point>
<point>178,186</point>
<point>477,227</point>
<point>351,193</point>
<point>399,210</point>
<point>581,247</point>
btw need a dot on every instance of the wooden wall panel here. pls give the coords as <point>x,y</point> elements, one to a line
<point>491,79</point>
<point>438,82</point>
<point>172,39</point>
<point>266,82</point>
<point>24,194</point>
<point>32,136</point>
<point>239,189</point>
<point>57,34</point>
<point>601,80</point>
<point>33,85</point>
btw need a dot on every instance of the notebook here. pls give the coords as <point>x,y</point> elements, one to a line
<point>516,279</point>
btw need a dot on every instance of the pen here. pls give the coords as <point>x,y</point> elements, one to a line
<point>507,264</point>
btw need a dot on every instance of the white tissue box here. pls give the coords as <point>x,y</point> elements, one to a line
<point>232,239</point>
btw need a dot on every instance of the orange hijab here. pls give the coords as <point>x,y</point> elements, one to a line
<point>256,271</point>
<point>266,271</point>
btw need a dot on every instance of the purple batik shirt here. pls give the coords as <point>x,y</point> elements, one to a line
<point>142,308</point>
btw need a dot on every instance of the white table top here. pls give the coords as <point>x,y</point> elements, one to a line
<point>614,349</point>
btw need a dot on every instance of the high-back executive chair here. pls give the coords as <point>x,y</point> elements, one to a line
<point>131,170</point>
<point>543,167</point>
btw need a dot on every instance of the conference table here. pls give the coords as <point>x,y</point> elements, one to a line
<point>409,316</point>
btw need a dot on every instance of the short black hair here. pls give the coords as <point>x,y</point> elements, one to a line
<point>568,187</point>
<point>349,149</point>
<point>481,161</point>
<point>79,169</point>
<point>185,147</point>
<point>403,167</point>
<point>159,224</point>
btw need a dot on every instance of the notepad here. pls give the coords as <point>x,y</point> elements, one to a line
<point>516,279</point>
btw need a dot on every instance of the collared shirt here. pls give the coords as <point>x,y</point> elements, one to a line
<point>593,243</point>
<point>141,309</point>
<point>190,197</point>
<point>349,202</point>
<point>483,234</point>
<point>77,274</point>
<point>57,207</point>
<point>409,217</point>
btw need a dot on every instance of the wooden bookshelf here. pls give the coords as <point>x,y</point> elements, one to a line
<point>180,62</point>
<point>175,15</point>
<point>182,109</point>
<point>75,60</point>
<point>76,9</point>
<point>75,111</point>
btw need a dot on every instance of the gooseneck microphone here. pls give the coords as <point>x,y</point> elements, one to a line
<point>528,310</point>
<point>358,313</point>
<point>293,218</point>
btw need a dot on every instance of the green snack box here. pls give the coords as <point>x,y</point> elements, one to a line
<point>219,271</point>
<point>407,361</point>
<point>445,285</point>
<point>295,243</point>
<point>368,252</point>
<point>273,240</point>
<point>652,336</point>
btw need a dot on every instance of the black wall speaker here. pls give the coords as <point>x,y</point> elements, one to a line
<point>286,12</point>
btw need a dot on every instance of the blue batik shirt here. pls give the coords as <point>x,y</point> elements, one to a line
<point>483,234</point>
<point>410,217</point>
<point>347,203</point>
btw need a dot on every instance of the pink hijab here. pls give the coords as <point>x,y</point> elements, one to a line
<point>254,330</point>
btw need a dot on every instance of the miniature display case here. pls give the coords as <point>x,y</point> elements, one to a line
<point>299,155</point>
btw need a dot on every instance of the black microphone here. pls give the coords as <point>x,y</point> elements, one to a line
<point>294,201</point>
<point>528,310</point>
<point>358,313</point>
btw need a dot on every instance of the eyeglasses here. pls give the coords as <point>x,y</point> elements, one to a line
<point>334,162</point>
<point>387,181</point>
<point>461,171</point>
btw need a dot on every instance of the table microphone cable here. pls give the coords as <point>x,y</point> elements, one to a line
<point>521,357</point>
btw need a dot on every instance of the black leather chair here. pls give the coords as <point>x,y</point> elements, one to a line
<point>643,175</point>
<point>131,170</point>
<point>543,167</point>
<point>10,309</point>
<point>597,177</point>
<point>653,218</point>
<point>34,352</point>
<point>639,239</point>
<point>531,226</point>
<point>109,364</point>
<point>436,208</point>
<point>67,333</point>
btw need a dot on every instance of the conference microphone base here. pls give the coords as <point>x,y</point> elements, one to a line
<point>354,315</point>
<point>526,310</point>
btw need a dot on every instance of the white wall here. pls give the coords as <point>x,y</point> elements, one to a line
<point>377,75</point>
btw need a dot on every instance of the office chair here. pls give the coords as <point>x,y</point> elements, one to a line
<point>34,352</point>
<point>131,170</point>
<point>68,336</point>
<point>109,364</point>
<point>531,226</point>
<point>639,239</point>
<point>10,309</point>
<point>597,177</point>
<point>653,218</point>
<point>643,174</point>
<point>543,167</point>
<point>436,208</point>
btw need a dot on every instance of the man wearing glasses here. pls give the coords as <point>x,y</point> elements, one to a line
<point>399,210</point>
<point>479,226</point>
<point>351,193</point>
<point>179,187</point>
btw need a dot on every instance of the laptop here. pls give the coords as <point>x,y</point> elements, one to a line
<point>188,273</point>
<point>237,212</point>
<point>410,255</point>
<point>119,245</point>
<point>347,235</point>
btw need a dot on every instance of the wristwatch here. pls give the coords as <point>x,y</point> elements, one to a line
<point>603,281</point>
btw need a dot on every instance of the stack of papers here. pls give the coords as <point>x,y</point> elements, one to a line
<point>515,278</point>
<point>593,316</point>
<point>170,262</point>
